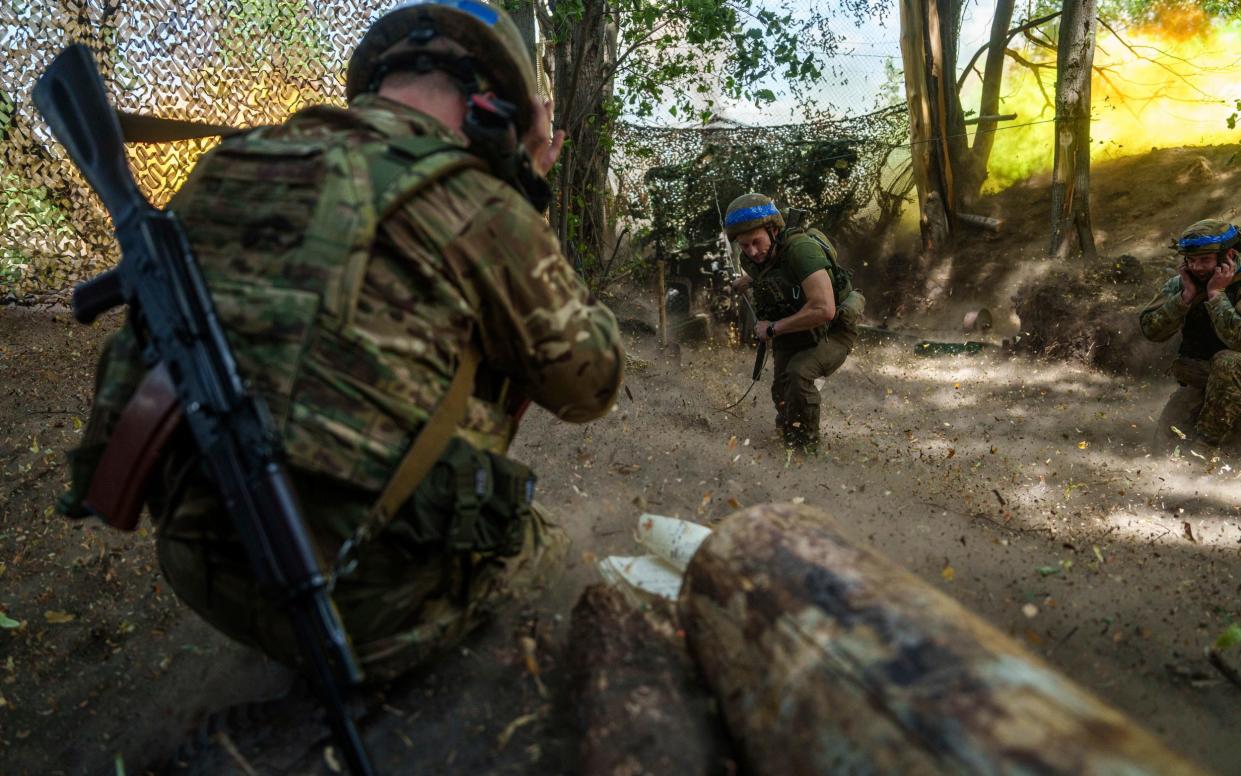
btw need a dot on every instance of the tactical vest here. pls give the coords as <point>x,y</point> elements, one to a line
<point>1198,337</point>
<point>778,295</point>
<point>283,229</point>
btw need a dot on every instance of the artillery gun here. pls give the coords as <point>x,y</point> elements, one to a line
<point>699,300</point>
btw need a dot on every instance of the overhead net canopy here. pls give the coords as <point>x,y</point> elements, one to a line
<point>218,61</point>
<point>251,63</point>
<point>679,181</point>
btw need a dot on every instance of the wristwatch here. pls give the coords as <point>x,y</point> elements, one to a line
<point>771,330</point>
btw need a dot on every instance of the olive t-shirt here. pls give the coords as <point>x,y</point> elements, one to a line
<point>798,259</point>
<point>802,257</point>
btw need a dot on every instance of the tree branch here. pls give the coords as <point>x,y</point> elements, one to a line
<point>1040,42</point>
<point>1037,68</point>
<point>1014,32</point>
<point>1155,62</point>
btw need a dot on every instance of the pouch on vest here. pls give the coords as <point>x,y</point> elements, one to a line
<point>471,501</point>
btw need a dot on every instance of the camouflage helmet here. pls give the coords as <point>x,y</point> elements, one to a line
<point>751,211</point>
<point>485,31</point>
<point>1208,235</point>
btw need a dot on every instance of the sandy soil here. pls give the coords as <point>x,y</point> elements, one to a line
<point>1003,482</point>
<point>1023,488</point>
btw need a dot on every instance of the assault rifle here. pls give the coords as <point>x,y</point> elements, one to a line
<point>170,308</point>
<point>760,357</point>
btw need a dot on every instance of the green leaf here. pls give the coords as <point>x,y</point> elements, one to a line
<point>1231,637</point>
<point>8,622</point>
<point>1047,571</point>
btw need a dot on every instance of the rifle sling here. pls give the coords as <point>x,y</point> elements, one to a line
<point>426,448</point>
<point>134,446</point>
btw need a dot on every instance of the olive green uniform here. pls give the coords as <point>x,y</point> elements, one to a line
<point>354,257</point>
<point>799,358</point>
<point>1208,363</point>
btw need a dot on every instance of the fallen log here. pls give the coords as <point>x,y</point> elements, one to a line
<point>982,222</point>
<point>640,707</point>
<point>998,117</point>
<point>827,658</point>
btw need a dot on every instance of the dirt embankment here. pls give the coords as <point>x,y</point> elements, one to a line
<point>1075,309</point>
<point>1023,488</point>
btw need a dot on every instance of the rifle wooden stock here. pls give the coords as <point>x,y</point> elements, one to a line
<point>141,433</point>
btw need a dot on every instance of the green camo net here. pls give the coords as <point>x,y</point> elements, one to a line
<point>236,62</point>
<point>250,62</point>
<point>680,180</point>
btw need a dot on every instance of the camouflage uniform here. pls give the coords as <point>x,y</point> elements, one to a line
<point>1208,363</point>
<point>799,358</point>
<point>350,306</point>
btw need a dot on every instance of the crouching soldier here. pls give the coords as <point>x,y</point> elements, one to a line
<point>387,285</point>
<point>1201,303</point>
<point>805,304</point>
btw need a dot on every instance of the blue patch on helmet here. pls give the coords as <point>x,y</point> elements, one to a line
<point>1207,239</point>
<point>484,14</point>
<point>751,214</point>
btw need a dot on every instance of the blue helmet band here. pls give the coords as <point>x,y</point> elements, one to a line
<point>483,13</point>
<point>487,16</point>
<point>751,214</point>
<point>1207,240</point>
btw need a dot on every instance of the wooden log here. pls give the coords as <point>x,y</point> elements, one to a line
<point>982,222</point>
<point>640,706</point>
<point>827,658</point>
<point>992,117</point>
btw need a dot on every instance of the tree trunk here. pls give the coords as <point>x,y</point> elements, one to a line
<point>640,708</point>
<point>936,127</point>
<point>827,658</point>
<point>585,51</point>
<point>975,173</point>
<point>523,16</point>
<point>1070,179</point>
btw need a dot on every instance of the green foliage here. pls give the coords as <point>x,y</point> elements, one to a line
<point>1230,638</point>
<point>687,54</point>
<point>1147,11</point>
<point>683,57</point>
<point>892,90</point>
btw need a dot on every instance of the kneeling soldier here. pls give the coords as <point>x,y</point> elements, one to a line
<point>1201,303</point>
<point>805,304</point>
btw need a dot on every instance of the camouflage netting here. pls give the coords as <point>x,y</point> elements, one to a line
<point>233,62</point>
<point>832,168</point>
<point>249,62</point>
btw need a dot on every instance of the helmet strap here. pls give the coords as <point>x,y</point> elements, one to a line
<point>460,69</point>
<point>771,243</point>
<point>423,32</point>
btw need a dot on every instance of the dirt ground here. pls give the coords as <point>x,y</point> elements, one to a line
<point>1024,488</point>
<point>1139,204</point>
<point>1003,482</point>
